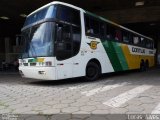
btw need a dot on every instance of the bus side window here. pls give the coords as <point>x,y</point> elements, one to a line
<point>149,44</point>
<point>118,35</point>
<point>126,37</point>
<point>64,13</point>
<point>110,32</point>
<point>152,45</point>
<point>102,30</point>
<point>130,38</point>
<point>69,15</point>
<point>136,40</point>
<point>89,31</point>
<point>94,27</point>
<point>143,42</point>
<point>87,25</point>
<point>75,17</point>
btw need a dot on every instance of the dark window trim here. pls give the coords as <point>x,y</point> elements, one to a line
<point>130,34</point>
<point>48,20</point>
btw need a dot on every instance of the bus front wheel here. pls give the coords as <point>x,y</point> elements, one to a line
<point>92,71</point>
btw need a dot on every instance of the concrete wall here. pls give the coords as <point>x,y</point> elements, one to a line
<point>7,52</point>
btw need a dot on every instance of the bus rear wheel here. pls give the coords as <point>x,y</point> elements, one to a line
<point>92,71</point>
<point>142,68</point>
<point>147,65</point>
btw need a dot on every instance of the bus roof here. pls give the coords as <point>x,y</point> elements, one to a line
<point>78,8</point>
<point>52,3</point>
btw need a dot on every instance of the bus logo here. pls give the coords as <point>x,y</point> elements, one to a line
<point>93,44</point>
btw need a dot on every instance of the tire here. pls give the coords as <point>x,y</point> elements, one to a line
<point>142,66</point>
<point>147,65</point>
<point>92,71</point>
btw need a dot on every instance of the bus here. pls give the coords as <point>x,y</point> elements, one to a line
<point>64,41</point>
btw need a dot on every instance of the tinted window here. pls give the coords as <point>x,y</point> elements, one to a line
<point>118,35</point>
<point>136,40</point>
<point>64,46</point>
<point>92,26</point>
<point>126,38</point>
<point>68,44</point>
<point>64,13</point>
<point>143,42</point>
<point>130,38</point>
<point>102,30</point>
<point>69,15</point>
<point>149,44</point>
<point>152,45</point>
<point>75,17</point>
<point>87,26</point>
<point>49,12</point>
<point>66,36</point>
<point>110,32</point>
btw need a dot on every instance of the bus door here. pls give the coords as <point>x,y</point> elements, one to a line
<point>63,48</point>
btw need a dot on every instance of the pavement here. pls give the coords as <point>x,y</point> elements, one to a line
<point>113,94</point>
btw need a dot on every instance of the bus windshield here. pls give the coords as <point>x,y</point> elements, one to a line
<point>39,40</point>
<point>39,30</point>
<point>48,12</point>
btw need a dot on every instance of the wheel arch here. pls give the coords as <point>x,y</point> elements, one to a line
<point>142,62</point>
<point>94,60</point>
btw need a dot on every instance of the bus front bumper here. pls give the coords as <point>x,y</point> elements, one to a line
<point>43,73</point>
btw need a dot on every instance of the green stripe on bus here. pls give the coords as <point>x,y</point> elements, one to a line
<point>111,52</point>
<point>120,55</point>
<point>32,60</point>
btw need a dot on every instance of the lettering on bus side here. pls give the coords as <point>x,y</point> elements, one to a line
<point>151,52</point>
<point>138,50</point>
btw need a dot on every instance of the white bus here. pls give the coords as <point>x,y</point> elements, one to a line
<point>64,41</point>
